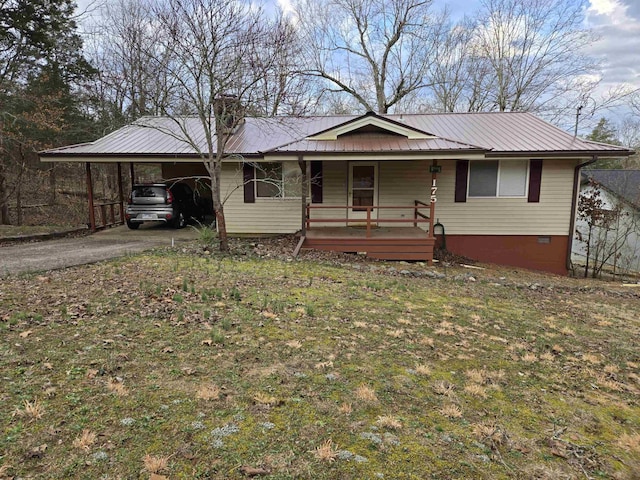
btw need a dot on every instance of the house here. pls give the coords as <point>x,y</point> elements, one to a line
<point>614,239</point>
<point>502,187</point>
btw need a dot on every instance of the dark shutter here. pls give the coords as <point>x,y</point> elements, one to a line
<point>316,182</point>
<point>248,175</point>
<point>535,178</point>
<point>462,172</point>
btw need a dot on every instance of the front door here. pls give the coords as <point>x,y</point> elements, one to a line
<point>363,189</point>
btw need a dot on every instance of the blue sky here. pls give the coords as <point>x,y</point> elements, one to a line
<point>615,22</point>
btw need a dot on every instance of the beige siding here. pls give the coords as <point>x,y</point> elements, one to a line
<point>334,192</point>
<point>402,182</point>
<point>509,216</point>
<point>266,215</point>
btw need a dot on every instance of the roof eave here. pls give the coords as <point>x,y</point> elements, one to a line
<point>560,154</point>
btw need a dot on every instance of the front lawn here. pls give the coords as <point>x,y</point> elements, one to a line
<point>171,365</point>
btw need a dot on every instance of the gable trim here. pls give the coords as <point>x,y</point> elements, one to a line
<point>373,119</point>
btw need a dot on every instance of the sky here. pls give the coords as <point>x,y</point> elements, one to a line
<point>615,22</point>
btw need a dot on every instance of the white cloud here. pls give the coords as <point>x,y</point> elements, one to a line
<point>286,6</point>
<point>605,7</point>
<point>619,40</point>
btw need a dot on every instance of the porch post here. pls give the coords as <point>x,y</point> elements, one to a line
<point>120,195</point>
<point>92,214</point>
<point>132,174</point>
<point>433,198</point>
<point>304,185</point>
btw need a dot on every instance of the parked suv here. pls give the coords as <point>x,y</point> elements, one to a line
<point>172,203</point>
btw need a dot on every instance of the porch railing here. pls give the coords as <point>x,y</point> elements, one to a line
<point>108,214</point>
<point>418,217</point>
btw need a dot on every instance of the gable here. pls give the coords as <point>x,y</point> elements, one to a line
<point>372,123</point>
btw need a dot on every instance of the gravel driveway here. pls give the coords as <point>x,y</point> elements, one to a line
<point>67,252</point>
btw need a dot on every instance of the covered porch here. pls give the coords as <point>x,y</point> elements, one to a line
<point>366,224</point>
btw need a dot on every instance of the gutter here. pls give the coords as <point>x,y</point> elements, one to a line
<point>574,205</point>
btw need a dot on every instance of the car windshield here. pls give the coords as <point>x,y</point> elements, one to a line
<point>148,191</point>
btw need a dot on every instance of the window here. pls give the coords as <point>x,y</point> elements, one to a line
<point>498,178</point>
<point>278,180</point>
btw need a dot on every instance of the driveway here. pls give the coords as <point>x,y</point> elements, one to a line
<point>103,245</point>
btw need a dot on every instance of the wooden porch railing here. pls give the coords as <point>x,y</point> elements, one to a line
<point>418,217</point>
<point>108,216</point>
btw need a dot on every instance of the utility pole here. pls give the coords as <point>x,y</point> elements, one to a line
<point>578,110</point>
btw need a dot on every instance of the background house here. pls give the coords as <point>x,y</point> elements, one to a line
<point>610,236</point>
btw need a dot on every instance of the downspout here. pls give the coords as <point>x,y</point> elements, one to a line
<point>574,205</point>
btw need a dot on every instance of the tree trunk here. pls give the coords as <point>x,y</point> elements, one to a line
<point>214,168</point>
<point>52,185</point>
<point>4,200</point>
<point>19,204</point>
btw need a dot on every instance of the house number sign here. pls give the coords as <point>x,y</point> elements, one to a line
<point>434,189</point>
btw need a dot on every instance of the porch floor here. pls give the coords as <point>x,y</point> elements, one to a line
<point>385,243</point>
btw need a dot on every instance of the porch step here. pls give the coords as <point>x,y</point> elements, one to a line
<point>381,248</point>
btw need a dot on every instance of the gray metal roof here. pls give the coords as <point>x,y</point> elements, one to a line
<point>494,133</point>
<point>623,183</point>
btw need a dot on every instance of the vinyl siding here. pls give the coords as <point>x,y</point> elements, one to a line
<point>509,216</point>
<point>402,182</point>
<point>266,215</point>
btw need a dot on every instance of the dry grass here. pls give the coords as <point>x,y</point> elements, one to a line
<point>630,442</point>
<point>529,358</point>
<point>547,357</point>
<point>366,394</point>
<point>476,390</point>
<point>155,464</point>
<point>611,369</point>
<point>423,369</point>
<point>428,341</point>
<point>85,440</point>
<point>451,410</point>
<point>397,333</point>
<point>262,398</point>
<point>390,422</point>
<point>295,344</point>
<point>327,452</point>
<point>490,433</point>
<point>208,392</point>
<point>345,408</point>
<point>477,376</point>
<point>591,358</point>
<point>32,410</point>
<point>442,387</point>
<point>117,388</point>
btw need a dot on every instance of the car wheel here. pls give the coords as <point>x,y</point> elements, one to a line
<point>180,221</point>
<point>132,225</point>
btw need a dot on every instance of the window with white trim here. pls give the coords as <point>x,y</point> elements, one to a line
<point>498,178</point>
<point>278,180</point>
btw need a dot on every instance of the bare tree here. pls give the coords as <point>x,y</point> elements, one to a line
<point>128,86</point>
<point>216,52</point>
<point>375,51</point>
<point>608,228</point>
<point>533,49</point>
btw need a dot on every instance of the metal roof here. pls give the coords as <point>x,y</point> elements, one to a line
<point>495,134</point>
<point>623,183</point>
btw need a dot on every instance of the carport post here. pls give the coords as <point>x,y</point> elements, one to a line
<point>121,197</point>
<point>132,174</point>
<point>92,215</point>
